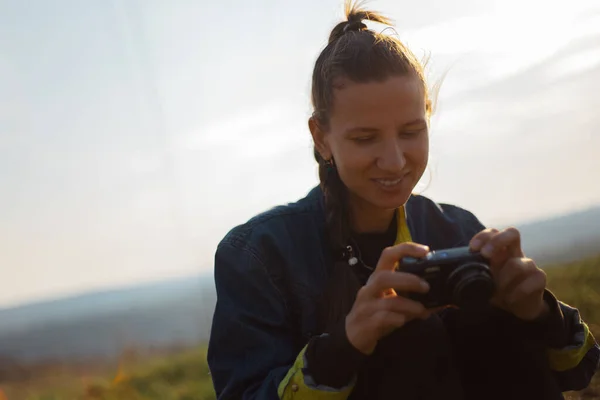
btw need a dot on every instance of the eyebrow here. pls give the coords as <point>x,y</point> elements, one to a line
<point>418,121</point>
<point>361,129</point>
<point>366,129</point>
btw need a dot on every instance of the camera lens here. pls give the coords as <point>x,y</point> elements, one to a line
<point>471,285</point>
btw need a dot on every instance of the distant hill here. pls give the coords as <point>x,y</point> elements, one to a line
<point>564,238</point>
<point>103,324</point>
<point>180,311</point>
<point>100,303</point>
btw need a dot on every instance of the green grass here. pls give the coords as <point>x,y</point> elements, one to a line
<point>185,376</point>
<point>578,284</point>
<point>180,377</point>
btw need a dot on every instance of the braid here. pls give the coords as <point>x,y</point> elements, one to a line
<point>336,201</point>
<point>342,286</point>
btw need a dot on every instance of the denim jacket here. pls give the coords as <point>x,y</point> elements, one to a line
<point>269,274</point>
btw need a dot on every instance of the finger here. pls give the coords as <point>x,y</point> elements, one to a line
<point>385,319</point>
<point>481,238</point>
<point>512,273</point>
<point>430,311</point>
<point>498,256</point>
<point>391,255</point>
<point>509,239</point>
<point>401,305</point>
<point>382,281</point>
<point>440,308</point>
<point>534,283</point>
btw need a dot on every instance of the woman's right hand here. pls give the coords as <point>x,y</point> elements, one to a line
<point>378,309</point>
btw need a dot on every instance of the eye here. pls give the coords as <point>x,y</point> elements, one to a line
<point>413,132</point>
<point>363,139</point>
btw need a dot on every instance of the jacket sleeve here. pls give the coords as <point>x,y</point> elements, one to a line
<point>574,362</point>
<point>573,353</point>
<point>571,349</point>
<point>252,353</point>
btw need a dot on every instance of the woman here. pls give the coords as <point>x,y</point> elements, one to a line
<point>306,307</point>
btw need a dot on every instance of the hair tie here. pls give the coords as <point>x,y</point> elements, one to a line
<point>354,26</point>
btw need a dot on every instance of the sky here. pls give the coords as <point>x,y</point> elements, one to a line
<point>135,133</point>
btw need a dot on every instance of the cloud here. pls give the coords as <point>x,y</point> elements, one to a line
<point>509,38</point>
<point>256,133</point>
<point>574,64</point>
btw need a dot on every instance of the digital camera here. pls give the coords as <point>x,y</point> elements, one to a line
<point>456,276</point>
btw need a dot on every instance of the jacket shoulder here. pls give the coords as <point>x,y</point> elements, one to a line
<point>453,224</point>
<point>460,215</point>
<point>447,211</point>
<point>276,222</point>
<point>283,245</point>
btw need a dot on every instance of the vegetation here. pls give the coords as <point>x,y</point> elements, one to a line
<point>578,284</point>
<point>180,376</point>
<point>184,375</point>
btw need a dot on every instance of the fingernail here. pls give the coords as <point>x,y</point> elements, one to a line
<point>487,250</point>
<point>425,285</point>
<point>476,243</point>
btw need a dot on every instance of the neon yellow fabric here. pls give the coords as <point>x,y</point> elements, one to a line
<point>402,233</point>
<point>567,358</point>
<point>293,386</point>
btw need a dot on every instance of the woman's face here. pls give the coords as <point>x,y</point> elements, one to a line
<point>378,138</point>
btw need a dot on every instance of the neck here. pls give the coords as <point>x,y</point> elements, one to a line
<point>368,219</point>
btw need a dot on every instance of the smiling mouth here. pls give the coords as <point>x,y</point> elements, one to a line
<point>389,182</point>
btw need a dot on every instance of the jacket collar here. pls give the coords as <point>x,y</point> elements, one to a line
<point>316,199</point>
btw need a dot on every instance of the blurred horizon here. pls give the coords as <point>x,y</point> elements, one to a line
<point>134,135</point>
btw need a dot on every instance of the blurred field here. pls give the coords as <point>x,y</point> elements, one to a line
<point>184,375</point>
<point>578,284</point>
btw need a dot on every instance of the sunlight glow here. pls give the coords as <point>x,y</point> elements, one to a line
<point>513,37</point>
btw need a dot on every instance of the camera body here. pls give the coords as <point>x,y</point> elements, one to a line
<point>456,276</point>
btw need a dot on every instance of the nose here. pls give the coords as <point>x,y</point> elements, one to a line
<point>392,158</point>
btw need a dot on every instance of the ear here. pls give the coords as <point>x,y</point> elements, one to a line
<point>319,138</point>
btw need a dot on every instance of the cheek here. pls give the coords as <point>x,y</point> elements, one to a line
<point>353,162</point>
<point>418,153</point>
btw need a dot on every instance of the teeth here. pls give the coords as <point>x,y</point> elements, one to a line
<point>388,182</point>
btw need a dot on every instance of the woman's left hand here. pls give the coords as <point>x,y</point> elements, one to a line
<point>519,282</point>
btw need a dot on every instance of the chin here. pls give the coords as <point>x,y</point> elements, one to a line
<point>372,196</point>
<point>388,201</point>
<point>390,204</point>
